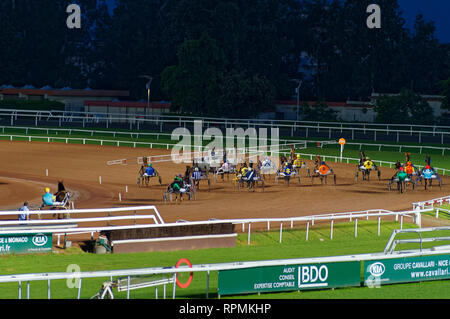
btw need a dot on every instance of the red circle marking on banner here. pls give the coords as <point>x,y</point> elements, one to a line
<point>187,283</point>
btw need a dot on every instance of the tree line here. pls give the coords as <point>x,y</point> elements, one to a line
<point>225,57</point>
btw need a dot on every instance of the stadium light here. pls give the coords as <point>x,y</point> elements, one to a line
<point>297,90</point>
<point>147,86</point>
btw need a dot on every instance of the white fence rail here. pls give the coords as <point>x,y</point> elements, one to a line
<point>432,202</point>
<point>158,135</point>
<point>168,146</point>
<point>128,273</point>
<point>138,120</point>
<point>206,268</point>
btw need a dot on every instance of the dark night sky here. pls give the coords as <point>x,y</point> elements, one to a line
<point>432,10</point>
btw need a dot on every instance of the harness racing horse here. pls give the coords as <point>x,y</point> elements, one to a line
<point>266,167</point>
<point>298,164</point>
<point>179,187</point>
<point>322,170</point>
<point>365,166</point>
<point>144,179</point>
<point>252,177</point>
<point>403,181</point>
<point>286,172</point>
<point>193,176</point>
<point>428,174</point>
<point>62,197</point>
<point>225,169</point>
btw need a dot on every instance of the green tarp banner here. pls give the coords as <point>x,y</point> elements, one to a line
<point>410,269</point>
<point>25,243</point>
<point>288,278</point>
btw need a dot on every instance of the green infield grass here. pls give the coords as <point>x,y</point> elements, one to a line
<point>264,245</point>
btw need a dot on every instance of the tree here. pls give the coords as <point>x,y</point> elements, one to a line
<point>192,84</point>
<point>404,108</point>
<point>243,95</point>
<point>445,86</point>
<point>319,112</point>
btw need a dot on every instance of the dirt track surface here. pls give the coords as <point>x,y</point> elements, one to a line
<point>23,177</point>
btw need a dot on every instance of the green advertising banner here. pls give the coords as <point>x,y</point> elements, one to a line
<point>409,269</point>
<point>288,278</point>
<point>25,243</point>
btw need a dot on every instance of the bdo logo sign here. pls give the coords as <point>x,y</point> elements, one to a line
<point>311,276</point>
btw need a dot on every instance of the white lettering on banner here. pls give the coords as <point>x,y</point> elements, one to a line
<point>402,266</point>
<point>17,240</point>
<point>442,263</point>
<point>5,248</point>
<point>423,264</point>
<point>289,270</point>
<point>264,285</point>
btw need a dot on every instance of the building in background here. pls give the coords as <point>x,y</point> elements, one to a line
<point>87,100</point>
<point>350,111</point>
<point>127,108</point>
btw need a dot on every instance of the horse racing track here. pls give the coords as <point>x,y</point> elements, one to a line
<point>24,167</point>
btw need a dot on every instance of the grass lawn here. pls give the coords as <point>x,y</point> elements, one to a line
<point>264,245</point>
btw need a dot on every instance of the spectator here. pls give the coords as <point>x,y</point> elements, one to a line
<point>24,215</point>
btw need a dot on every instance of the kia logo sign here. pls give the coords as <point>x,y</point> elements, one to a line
<point>377,269</point>
<point>39,240</point>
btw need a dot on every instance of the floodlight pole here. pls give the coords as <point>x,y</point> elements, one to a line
<point>297,90</point>
<point>147,86</point>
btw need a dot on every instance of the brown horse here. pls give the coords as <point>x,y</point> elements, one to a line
<point>60,195</point>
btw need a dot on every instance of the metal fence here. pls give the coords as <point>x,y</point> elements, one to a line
<point>127,274</point>
<point>158,135</point>
<point>373,131</point>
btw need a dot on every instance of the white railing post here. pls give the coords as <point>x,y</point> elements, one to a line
<point>331,230</point>
<point>281,230</point>
<point>307,230</point>
<point>379,225</point>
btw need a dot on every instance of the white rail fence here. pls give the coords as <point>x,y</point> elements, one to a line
<point>158,135</point>
<point>432,202</point>
<point>168,146</point>
<point>380,163</point>
<point>160,120</point>
<point>414,215</point>
<point>128,274</point>
<point>69,116</point>
<point>69,226</point>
